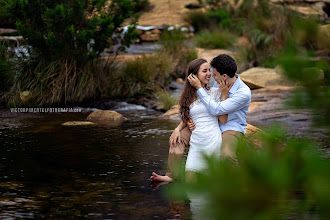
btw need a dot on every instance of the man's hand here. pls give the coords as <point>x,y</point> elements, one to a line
<point>191,125</point>
<point>194,81</point>
<point>175,138</point>
<point>224,88</point>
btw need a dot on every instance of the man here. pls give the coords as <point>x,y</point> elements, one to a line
<point>236,106</point>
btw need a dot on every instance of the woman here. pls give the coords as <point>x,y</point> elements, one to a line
<point>206,137</point>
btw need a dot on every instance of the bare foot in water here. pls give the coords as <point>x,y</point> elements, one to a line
<point>158,178</point>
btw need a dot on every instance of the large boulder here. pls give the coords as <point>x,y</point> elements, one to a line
<point>260,77</point>
<point>106,117</point>
<point>307,7</point>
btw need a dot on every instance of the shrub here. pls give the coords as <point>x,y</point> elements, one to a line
<point>66,37</point>
<point>209,20</point>
<point>5,20</point>
<point>141,5</point>
<point>271,183</point>
<point>6,69</point>
<point>199,20</point>
<point>215,40</point>
<point>78,30</point>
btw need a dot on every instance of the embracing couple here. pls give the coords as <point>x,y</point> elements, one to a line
<point>212,119</point>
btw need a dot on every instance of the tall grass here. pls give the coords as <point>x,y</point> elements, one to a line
<point>58,82</point>
<point>177,47</point>
<point>165,99</point>
<point>140,76</point>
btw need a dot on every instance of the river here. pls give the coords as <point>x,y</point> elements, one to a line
<point>57,172</point>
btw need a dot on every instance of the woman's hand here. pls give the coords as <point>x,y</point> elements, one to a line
<point>175,137</point>
<point>191,125</point>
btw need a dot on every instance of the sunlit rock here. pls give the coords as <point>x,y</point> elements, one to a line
<point>25,96</point>
<point>78,123</point>
<point>260,77</point>
<point>106,117</point>
<point>172,113</point>
<point>179,81</point>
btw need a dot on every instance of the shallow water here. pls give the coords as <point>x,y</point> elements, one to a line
<point>56,172</point>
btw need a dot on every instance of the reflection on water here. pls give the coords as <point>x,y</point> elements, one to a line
<point>55,172</point>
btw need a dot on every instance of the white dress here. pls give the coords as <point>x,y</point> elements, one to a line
<point>206,137</point>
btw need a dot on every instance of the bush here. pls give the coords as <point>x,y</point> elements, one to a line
<point>141,5</point>
<point>74,30</point>
<point>66,38</point>
<point>5,21</point>
<point>215,40</point>
<point>6,69</point>
<point>271,183</point>
<point>209,20</point>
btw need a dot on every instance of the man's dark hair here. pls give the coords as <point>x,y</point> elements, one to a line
<point>224,64</point>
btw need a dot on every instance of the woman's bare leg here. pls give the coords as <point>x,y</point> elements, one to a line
<point>174,159</point>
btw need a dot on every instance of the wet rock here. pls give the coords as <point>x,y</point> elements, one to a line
<point>106,117</point>
<point>78,123</point>
<point>268,107</point>
<point>260,77</point>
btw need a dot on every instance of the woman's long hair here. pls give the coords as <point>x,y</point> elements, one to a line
<point>189,93</point>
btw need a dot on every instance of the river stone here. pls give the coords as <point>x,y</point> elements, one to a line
<point>107,117</point>
<point>25,96</point>
<point>260,77</point>
<point>77,123</point>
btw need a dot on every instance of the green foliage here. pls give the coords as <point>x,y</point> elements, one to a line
<point>5,20</point>
<point>209,20</point>
<point>141,5</point>
<point>165,99</point>
<point>215,40</point>
<point>175,45</point>
<point>6,71</point>
<point>260,48</point>
<point>78,30</point>
<point>271,183</point>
